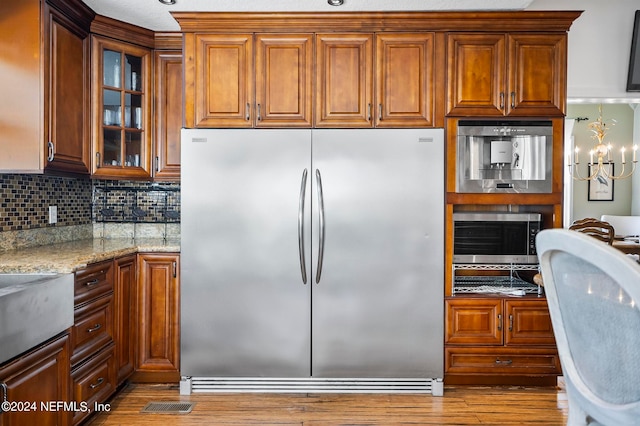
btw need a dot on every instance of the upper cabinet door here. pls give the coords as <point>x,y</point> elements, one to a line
<point>68,148</point>
<point>344,80</point>
<point>500,74</point>
<point>476,74</point>
<point>219,71</point>
<point>538,74</point>
<point>405,80</point>
<point>168,103</point>
<point>284,70</point>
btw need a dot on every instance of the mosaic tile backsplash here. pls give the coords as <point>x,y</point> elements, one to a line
<point>86,209</point>
<point>26,199</point>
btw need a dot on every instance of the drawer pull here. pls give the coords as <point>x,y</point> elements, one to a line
<point>510,322</point>
<point>97,383</point>
<point>499,322</point>
<point>503,362</point>
<point>94,328</point>
<point>92,282</point>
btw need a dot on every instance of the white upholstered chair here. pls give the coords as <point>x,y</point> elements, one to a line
<point>593,292</point>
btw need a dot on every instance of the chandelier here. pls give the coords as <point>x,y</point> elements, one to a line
<point>601,153</point>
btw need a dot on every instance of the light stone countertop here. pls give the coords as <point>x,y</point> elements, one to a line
<point>73,255</point>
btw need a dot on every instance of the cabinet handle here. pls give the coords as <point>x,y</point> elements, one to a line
<point>505,362</point>
<point>97,160</point>
<point>499,322</point>
<point>248,112</point>
<point>510,322</point>
<point>97,383</point>
<point>50,146</point>
<point>4,394</point>
<point>369,113</point>
<point>157,164</point>
<point>379,112</point>
<point>175,269</point>
<point>94,328</point>
<point>513,100</point>
<point>501,100</point>
<point>92,282</point>
<point>259,114</point>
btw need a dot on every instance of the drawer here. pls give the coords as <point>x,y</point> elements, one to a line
<point>92,328</point>
<point>93,382</point>
<point>93,281</point>
<point>502,361</point>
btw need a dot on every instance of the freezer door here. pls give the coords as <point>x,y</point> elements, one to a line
<point>377,304</point>
<point>245,310</point>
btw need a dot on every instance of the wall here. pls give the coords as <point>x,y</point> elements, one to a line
<point>621,133</point>
<point>599,47</point>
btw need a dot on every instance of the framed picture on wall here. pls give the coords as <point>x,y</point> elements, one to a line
<point>633,78</point>
<point>601,188</point>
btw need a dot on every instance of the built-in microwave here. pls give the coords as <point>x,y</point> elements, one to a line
<point>495,237</point>
<point>503,156</point>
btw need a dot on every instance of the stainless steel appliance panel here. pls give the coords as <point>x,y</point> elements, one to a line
<point>377,305</point>
<point>245,310</point>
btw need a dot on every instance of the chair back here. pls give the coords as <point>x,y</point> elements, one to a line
<point>596,228</point>
<point>593,292</point>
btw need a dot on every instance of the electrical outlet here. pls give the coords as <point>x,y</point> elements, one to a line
<point>53,214</point>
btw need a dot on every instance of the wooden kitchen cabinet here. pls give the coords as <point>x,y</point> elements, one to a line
<point>247,80</point>
<point>125,325</point>
<point>121,95</point>
<point>40,376</point>
<point>506,74</point>
<point>344,80</point>
<point>158,309</point>
<point>407,75</point>
<point>499,338</point>
<point>168,104</point>
<point>45,86</point>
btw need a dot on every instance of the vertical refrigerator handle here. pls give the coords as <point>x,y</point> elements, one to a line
<point>303,261</point>
<point>321,226</point>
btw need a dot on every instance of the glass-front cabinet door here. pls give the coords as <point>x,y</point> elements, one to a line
<point>122,103</point>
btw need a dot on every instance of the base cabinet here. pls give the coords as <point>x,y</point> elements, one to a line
<point>496,340</point>
<point>158,318</point>
<point>39,377</point>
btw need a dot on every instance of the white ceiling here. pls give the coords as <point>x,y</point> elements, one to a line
<point>153,15</point>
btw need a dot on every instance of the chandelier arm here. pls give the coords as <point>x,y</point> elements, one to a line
<point>578,176</point>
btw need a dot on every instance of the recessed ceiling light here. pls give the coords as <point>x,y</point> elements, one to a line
<point>167,2</point>
<point>335,2</point>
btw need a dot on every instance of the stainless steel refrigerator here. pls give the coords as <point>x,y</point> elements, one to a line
<point>312,259</point>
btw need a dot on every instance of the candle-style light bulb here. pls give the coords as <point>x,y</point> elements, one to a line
<point>635,149</point>
<point>576,159</point>
<point>622,151</point>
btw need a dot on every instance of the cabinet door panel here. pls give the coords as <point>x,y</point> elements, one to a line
<point>125,320</point>
<point>41,376</point>
<point>529,323</point>
<point>168,114</point>
<point>538,73</point>
<point>68,100</point>
<point>474,322</point>
<point>283,80</point>
<point>344,87</point>
<point>224,80</point>
<point>476,74</point>
<point>158,317</point>
<point>405,79</point>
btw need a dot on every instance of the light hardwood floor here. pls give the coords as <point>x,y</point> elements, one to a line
<point>460,405</point>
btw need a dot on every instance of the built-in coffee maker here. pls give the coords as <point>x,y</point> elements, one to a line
<point>504,156</point>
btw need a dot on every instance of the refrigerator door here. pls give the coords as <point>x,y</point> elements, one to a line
<point>377,306</point>
<point>245,310</point>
